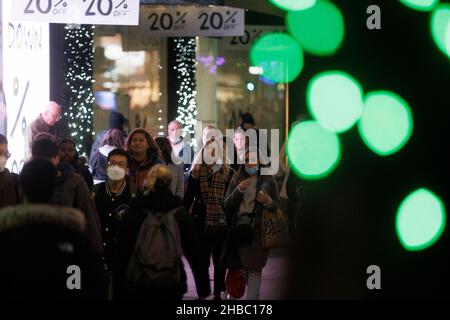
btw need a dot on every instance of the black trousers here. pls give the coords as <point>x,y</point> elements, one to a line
<point>210,244</point>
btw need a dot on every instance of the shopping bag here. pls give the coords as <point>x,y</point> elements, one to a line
<point>275,233</point>
<point>235,283</point>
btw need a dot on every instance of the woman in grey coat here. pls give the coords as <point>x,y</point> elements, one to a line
<point>248,194</point>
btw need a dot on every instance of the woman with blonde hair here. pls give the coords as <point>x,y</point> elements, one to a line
<point>206,187</point>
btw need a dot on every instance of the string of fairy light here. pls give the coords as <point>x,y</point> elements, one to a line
<point>185,69</point>
<point>79,59</point>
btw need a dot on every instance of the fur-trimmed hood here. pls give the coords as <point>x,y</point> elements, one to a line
<point>31,214</point>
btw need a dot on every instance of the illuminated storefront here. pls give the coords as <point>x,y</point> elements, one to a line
<point>138,76</point>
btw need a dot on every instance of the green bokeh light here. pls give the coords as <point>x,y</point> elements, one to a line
<point>420,5</point>
<point>320,29</point>
<point>447,39</point>
<point>293,5</point>
<point>313,151</point>
<point>420,220</point>
<point>335,99</point>
<point>279,55</point>
<point>440,18</point>
<point>386,123</point>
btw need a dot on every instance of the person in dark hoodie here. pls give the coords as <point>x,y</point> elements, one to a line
<point>69,154</point>
<point>158,198</point>
<point>116,121</point>
<point>71,189</point>
<point>144,152</point>
<point>113,139</point>
<point>39,242</point>
<point>9,182</point>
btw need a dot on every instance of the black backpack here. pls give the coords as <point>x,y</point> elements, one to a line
<point>156,261</point>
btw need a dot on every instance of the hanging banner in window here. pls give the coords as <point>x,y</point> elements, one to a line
<point>191,21</point>
<point>251,34</point>
<point>26,78</point>
<point>109,12</point>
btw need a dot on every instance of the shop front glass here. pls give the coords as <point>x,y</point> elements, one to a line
<point>131,75</point>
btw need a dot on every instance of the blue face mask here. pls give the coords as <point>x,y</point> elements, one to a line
<point>252,171</point>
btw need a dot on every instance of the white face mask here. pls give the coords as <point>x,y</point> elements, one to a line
<point>116,173</point>
<point>3,161</point>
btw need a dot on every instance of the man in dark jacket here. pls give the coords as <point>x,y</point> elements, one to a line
<point>44,123</point>
<point>40,242</point>
<point>112,199</point>
<point>9,182</point>
<point>71,190</point>
<point>68,153</point>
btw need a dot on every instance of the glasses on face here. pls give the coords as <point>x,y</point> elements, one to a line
<point>56,118</point>
<point>122,164</point>
<point>5,154</point>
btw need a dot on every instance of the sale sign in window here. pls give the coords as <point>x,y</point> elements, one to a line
<point>26,69</point>
<point>110,12</point>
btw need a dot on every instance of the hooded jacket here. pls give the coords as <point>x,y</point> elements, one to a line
<point>72,191</point>
<point>38,243</point>
<point>83,170</point>
<point>99,161</point>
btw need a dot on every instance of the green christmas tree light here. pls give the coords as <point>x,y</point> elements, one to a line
<point>420,5</point>
<point>320,30</point>
<point>440,19</point>
<point>420,220</point>
<point>335,99</point>
<point>279,56</point>
<point>293,5</point>
<point>313,151</point>
<point>386,123</point>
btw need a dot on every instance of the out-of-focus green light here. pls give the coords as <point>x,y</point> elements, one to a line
<point>420,5</point>
<point>440,19</point>
<point>313,151</point>
<point>386,123</point>
<point>250,86</point>
<point>279,55</point>
<point>447,39</point>
<point>335,99</point>
<point>293,5</point>
<point>319,29</point>
<point>420,220</point>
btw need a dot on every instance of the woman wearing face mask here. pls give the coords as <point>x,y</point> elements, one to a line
<point>248,194</point>
<point>112,200</point>
<point>208,181</point>
<point>9,182</point>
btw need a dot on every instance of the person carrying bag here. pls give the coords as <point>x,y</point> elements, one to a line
<point>248,195</point>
